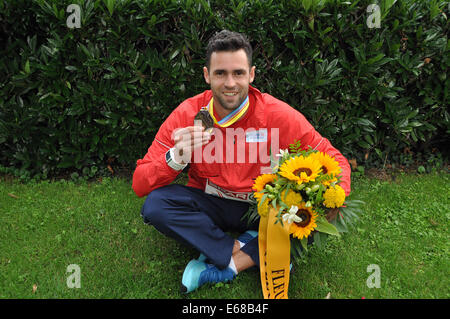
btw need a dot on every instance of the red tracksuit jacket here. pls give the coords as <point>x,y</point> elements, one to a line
<point>268,123</point>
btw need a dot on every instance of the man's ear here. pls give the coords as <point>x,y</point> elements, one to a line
<point>252,73</point>
<point>206,74</point>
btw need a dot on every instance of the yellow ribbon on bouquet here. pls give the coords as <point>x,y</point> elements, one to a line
<point>274,256</point>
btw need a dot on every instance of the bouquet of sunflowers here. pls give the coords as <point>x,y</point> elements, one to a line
<point>302,191</point>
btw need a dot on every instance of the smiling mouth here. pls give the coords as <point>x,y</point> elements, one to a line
<point>230,93</point>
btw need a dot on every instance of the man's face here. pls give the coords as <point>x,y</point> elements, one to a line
<point>229,75</point>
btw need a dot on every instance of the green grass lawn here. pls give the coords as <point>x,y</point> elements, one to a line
<point>47,226</point>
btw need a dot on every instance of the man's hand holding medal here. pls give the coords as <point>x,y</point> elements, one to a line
<point>189,138</point>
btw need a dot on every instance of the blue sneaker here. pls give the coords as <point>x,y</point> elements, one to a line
<point>198,273</point>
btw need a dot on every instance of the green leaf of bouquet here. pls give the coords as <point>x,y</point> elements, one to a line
<point>354,203</point>
<point>340,225</point>
<point>350,213</point>
<point>317,240</point>
<point>274,203</point>
<point>296,249</point>
<point>342,221</point>
<point>320,239</point>
<point>262,200</point>
<point>279,211</point>
<point>325,227</point>
<point>319,196</point>
<point>304,242</point>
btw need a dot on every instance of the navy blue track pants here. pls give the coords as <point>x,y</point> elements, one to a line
<point>200,220</point>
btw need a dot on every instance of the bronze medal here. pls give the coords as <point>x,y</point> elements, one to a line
<point>207,121</point>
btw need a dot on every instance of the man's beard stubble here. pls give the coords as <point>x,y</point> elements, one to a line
<point>225,105</point>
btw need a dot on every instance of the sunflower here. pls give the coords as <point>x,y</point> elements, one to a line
<point>258,196</point>
<point>291,198</point>
<point>301,169</point>
<point>262,180</point>
<point>329,165</point>
<point>334,197</point>
<point>308,223</point>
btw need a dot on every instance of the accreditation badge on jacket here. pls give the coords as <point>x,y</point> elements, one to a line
<point>257,136</point>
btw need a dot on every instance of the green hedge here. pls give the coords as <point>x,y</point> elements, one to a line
<point>79,99</point>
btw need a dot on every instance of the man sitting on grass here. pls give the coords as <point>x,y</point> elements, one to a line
<point>224,158</point>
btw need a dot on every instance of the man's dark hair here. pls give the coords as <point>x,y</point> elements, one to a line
<point>226,40</point>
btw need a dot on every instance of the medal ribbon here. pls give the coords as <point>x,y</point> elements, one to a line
<point>232,117</point>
